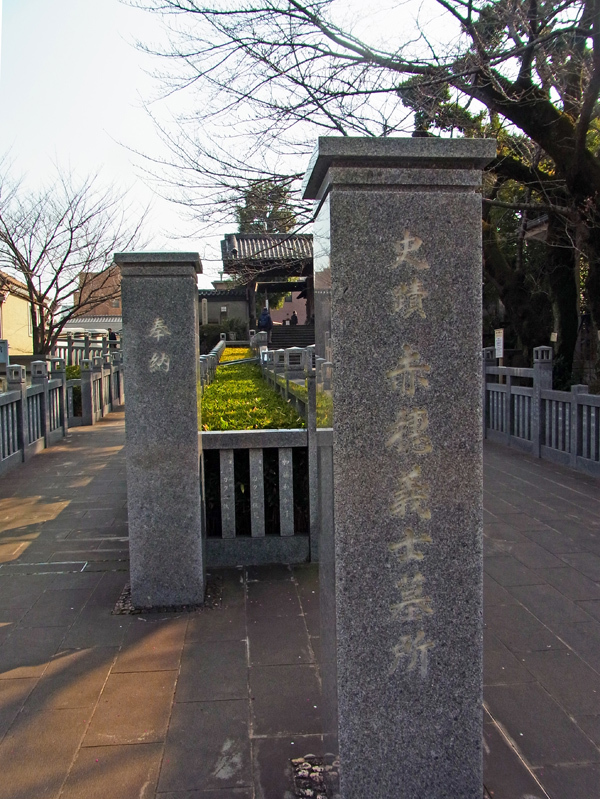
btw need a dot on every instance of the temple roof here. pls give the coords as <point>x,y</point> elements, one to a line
<point>265,249</point>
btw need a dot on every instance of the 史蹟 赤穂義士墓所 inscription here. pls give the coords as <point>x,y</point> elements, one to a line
<point>409,437</point>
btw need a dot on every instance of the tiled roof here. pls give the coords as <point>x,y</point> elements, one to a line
<point>77,320</point>
<point>267,247</point>
<point>222,293</point>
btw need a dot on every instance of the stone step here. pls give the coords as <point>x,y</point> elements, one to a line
<point>283,336</point>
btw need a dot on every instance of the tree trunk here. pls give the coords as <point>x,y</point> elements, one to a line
<point>562,278</point>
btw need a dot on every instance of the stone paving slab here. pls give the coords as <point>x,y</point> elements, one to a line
<point>543,740</point>
<point>213,704</point>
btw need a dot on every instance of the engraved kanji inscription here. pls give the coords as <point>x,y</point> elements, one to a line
<point>413,606</point>
<point>412,495</point>
<point>406,550</point>
<point>413,650</point>
<point>410,373</point>
<point>405,252</point>
<point>159,330</point>
<point>410,432</point>
<point>159,362</point>
<point>408,299</point>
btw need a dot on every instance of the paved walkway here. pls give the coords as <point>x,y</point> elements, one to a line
<point>542,615</point>
<point>213,704</point>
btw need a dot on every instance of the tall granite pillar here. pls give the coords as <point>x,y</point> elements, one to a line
<point>160,331</point>
<point>398,297</point>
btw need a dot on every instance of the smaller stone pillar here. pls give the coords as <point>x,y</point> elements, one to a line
<point>58,372</point>
<point>119,356</point>
<point>576,426</point>
<point>70,359</point>
<point>39,376</point>
<point>98,369</point>
<point>16,381</point>
<point>160,326</point>
<point>542,379</point>
<point>87,396</point>
<point>489,359</point>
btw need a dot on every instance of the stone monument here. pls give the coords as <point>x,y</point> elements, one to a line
<point>160,332</point>
<point>398,303</point>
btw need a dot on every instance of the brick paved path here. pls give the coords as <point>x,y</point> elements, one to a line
<point>212,705</point>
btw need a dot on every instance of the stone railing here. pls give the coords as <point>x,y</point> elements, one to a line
<point>258,497</point>
<point>209,363</point>
<point>260,486</point>
<point>73,350</point>
<point>288,372</point>
<point>561,426</point>
<point>35,416</point>
<point>102,386</point>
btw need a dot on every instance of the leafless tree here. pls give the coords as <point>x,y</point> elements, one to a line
<point>58,242</point>
<point>271,75</point>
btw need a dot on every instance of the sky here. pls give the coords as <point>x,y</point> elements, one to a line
<point>73,89</point>
<point>72,92</point>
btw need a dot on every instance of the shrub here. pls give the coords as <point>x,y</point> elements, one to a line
<point>74,373</point>
<point>210,334</point>
<point>239,399</point>
<point>235,354</point>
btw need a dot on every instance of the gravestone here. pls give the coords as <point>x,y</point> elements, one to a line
<point>397,243</point>
<point>160,331</point>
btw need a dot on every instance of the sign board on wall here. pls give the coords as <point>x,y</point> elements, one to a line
<point>4,351</point>
<point>499,342</point>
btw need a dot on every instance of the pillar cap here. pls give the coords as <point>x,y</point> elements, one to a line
<point>394,152</point>
<point>167,261</point>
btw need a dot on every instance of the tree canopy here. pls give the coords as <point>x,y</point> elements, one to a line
<point>266,209</point>
<point>275,73</point>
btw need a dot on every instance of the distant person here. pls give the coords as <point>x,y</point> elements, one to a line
<point>294,319</point>
<point>112,338</point>
<point>265,323</point>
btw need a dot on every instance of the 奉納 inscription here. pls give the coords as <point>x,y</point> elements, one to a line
<point>159,361</point>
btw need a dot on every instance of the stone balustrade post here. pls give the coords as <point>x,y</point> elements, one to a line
<point>70,361</point>
<point>576,427</point>
<point>39,377</point>
<point>313,455</point>
<point>398,229</point>
<point>160,325</point>
<point>58,371</point>
<point>16,380</point>
<point>98,377</point>
<point>203,371</point>
<point>87,392</point>
<point>488,359</point>
<point>542,380</point>
<point>327,372</point>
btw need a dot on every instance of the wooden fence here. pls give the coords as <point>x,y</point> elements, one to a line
<point>561,426</point>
